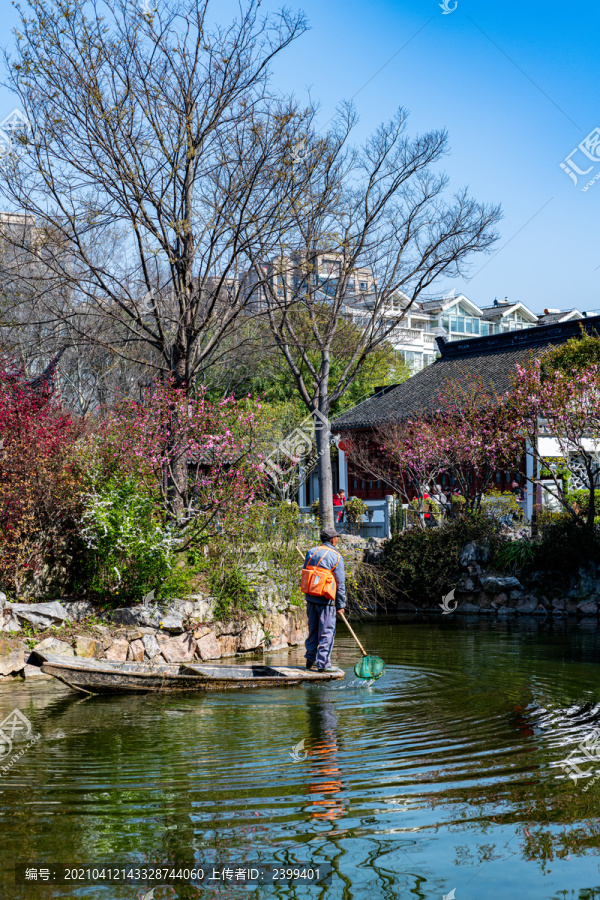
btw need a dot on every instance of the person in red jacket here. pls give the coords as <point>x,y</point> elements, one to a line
<point>342,495</point>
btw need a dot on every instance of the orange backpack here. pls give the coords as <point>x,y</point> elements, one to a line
<point>317,582</point>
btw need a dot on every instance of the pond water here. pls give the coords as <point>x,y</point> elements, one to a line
<point>442,779</point>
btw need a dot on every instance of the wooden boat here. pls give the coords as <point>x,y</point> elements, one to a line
<point>101,676</point>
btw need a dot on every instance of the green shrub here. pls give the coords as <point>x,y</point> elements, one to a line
<point>397,516</point>
<point>126,550</point>
<point>422,565</point>
<point>566,544</point>
<point>459,504</point>
<point>287,519</point>
<point>514,556</point>
<point>355,511</point>
<point>232,592</point>
<point>501,505</point>
<point>181,581</point>
<point>582,499</point>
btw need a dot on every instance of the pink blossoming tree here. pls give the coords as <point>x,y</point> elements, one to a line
<point>469,435</point>
<point>558,413</point>
<point>149,440</point>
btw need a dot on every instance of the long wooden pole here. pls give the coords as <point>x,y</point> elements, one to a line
<point>349,627</point>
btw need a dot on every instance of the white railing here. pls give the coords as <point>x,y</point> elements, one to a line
<point>408,334</point>
<point>376,523</point>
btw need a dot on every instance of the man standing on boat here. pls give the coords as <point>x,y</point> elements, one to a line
<point>323,580</point>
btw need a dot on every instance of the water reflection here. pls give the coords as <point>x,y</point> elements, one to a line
<point>442,775</point>
<point>325,775</point>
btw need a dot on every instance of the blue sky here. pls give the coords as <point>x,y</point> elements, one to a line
<point>514,83</point>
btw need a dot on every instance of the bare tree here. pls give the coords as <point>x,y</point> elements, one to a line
<point>382,208</point>
<point>153,159</point>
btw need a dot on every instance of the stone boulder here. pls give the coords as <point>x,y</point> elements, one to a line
<point>178,649</point>
<point>151,646</point>
<point>12,657</point>
<point>78,609</point>
<point>105,635</point>
<point>208,647</point>
<point>88,647</point>
<point>35,672</point>
<point>297,626</point>
<point>118,650</point>
<point>251,636</point>
<point>527,604</point>
<point>229,643</point>
<point>53,645</point>
<point>136,616</point>
<point>466,608</point>
<point>181,607</point>
<point>172,624</point>
<point>201,608</point>
<point>588,608</point>
<point>474,554</point>
<point>9,624</point>
<point>497,584</point>
<point>466,585</point>
<point>136,651</point>
<point>41,615</point>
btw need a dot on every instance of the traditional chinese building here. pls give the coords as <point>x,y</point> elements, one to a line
<point>492,359</point>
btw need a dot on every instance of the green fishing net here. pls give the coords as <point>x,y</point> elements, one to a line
<point>369,667</point>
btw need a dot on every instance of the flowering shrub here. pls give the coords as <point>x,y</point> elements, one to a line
<point>468,436</point>
<point>40,484</point>
<point>129,550</point>
<point>192,458</point>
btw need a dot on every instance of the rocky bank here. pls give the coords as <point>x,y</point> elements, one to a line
<point>173,631</point>
<point>177,631</point>
<point>483,591</point>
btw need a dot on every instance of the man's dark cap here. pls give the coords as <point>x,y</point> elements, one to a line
<point>327,534</point>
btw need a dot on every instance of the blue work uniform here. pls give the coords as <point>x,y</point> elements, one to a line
<point>322,611</point>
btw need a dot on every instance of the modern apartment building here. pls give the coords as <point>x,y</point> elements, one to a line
<point>455,318</point>
<point>298,272</point>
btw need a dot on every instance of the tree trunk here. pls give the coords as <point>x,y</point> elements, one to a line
<point>325,477</point>
<point>176,474</point>
<point>592,501</point>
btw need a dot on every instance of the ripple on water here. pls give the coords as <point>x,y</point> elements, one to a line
<point>394,777</point>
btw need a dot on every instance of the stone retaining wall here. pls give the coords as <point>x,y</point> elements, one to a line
<point>483,591</point>
<point>178,632</point>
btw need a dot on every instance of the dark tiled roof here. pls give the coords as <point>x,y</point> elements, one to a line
<point>552,318</point>
<point>492,358</point>
<point>495,312</point>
